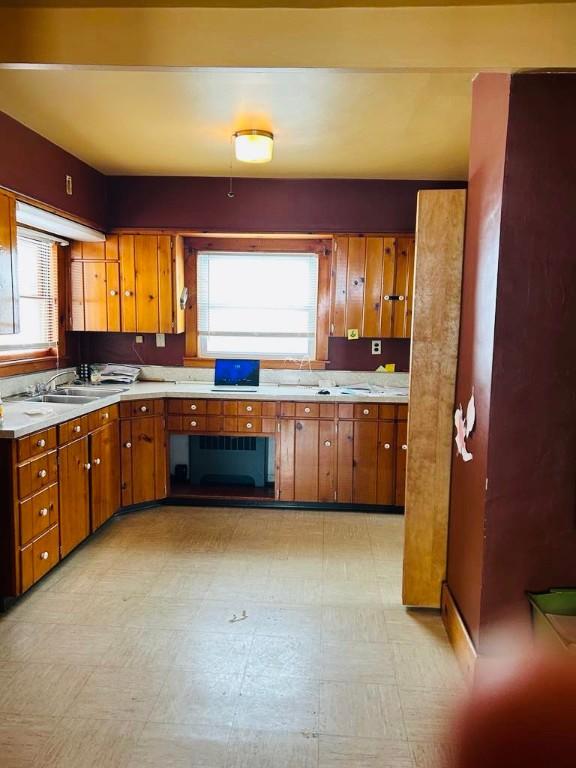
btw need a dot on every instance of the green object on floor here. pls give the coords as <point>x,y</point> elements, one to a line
<point>554,617</point>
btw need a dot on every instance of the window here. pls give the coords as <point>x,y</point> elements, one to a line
<point>38,292</point>
<point>257,304</point>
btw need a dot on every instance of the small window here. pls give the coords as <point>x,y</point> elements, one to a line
<point>260,305</point>
<point>38,295</point>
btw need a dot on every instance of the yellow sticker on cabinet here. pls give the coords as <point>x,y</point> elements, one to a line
<point>352,334</point>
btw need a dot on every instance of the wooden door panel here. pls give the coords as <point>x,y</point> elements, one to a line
<point>113,295</point>
<point>126,449</point>
<point>365,462</point>
<point>339,283</point>
<point>355,282</point>
<point>401,288</point>
<point>401,451</point>
<point>105,474</point>
<point>285,461</point>
<point>306,460</point>
<point>373,287</point>
<point>165,285</point>
<point>111,250</point>
<point>327,451</point>
<point>407,245</point>
<point>77,322</point>
<point>345,461</point>
<point>143,460</point>
<point>160,458</point>
<point>127,283</point>
<point>9,298</point>
<point>388,277</point>
<point>74,494</point>
<point>95,298</point>
<point>146,269</point>
<point>386,462</point>
<point>93,251</point>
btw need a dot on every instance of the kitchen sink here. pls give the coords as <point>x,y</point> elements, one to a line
<point>93,392</point>
<point>52,397</point>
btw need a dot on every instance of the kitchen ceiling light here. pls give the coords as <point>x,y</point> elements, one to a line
<point>253,146</point>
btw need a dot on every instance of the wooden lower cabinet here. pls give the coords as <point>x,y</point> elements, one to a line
<point>306,460</point>
<point>401,452</point>
<point>74,468</point>
<point>143,459</point>
<point>104,474</point>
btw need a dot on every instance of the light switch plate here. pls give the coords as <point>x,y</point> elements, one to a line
<point>139,339</point>
<point>160,340</point>
<point>376,347</point>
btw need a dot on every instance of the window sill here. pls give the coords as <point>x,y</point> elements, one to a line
<point>306,365</point>
<point>14,364</point>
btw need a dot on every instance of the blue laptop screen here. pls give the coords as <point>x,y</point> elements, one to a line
<point>241,373</point>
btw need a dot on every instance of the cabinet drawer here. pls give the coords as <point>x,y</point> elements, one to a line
<point>72,430</point>
<point>365,411</point>
<point>249,424</point>
<point>102,417</point>
<point>39,557</point>
<point>37,474</point>
<point>151,407</point>
<point>38,513</point>
<point>249,408</point>
<point>387,412</point>
<point>402,413</point>
<point>187,407</point>
<point>307,410</point>
<point>193,423</point>
<point>39,442</point>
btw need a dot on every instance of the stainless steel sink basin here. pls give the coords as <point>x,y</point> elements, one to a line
<point>92,392</point>
<point>63,399</point>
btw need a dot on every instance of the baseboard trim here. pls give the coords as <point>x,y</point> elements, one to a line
<point>458,634</point>
<point>197,501</point>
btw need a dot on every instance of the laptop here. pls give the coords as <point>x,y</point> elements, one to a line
<point>236,376</point>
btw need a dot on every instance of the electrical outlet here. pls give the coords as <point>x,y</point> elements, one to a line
<point>68,184</point>
<point>139,339</point>
<point>376,347</point>
<point>160,340</point>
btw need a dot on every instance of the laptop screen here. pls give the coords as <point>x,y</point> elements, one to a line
<point>237,373</point>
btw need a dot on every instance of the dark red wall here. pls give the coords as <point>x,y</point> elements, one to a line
<point>481,251</point>
<point>267,205</point>
<point>33,166</point>
<point>531,510</point>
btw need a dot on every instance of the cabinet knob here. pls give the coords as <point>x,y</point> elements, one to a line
<point>77,428</point>
<point>327,443</point>
<point>106,415</point>
<point>366,411</point>
<point>127,293</point>
<point>87,465</point>
<point>249,425</point>
<point>43,512</point>
<point>143,408</point>
<point>97,461</point>
<point>404,447</point>
<point>41,443</point>
<point>387,297</point>
<point>193,407</point>
<point>401,298</point>
<point>249,408</point>
<point>307,410</point>
<point>44,556</point>
<point>128,445</point>
<point>193,423</point>
<point>113,292</point>
<point>387,446</point>
<point>42,473</point>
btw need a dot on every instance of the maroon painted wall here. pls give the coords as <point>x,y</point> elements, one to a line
<point>481,250</point>
<point>120,348</point>
<point>267,205</point>
<point>531,505</point>
<point>35,167</point>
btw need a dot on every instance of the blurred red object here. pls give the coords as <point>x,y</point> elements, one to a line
<point>523,717</point>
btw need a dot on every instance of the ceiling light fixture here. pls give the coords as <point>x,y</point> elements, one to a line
<point>253,146</point>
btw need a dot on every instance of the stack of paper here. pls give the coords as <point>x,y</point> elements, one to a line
<point>119,374</point>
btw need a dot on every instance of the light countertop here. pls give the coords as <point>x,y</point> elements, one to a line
<point>18,422</point>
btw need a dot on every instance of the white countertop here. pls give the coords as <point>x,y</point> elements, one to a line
<point>18,423</point>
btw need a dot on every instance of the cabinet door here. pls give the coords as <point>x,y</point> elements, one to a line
<point>113,295</point>
<point>401,451</point>
<point>9,311</point>
<point>285,461</point>
<point>404,282</point>
<point>148,457</point>
<point>365,473</point>
<point>126,489</point>
<point>104,474</point>
<point>306,460</point>
<point>386,462</point>
<point>95,298</point>
<point>345,462</point>
<point>74,494</point>
<point>147,287</point>
<point>327,451</point>
<point>127,283</point>
<point>165,285</point>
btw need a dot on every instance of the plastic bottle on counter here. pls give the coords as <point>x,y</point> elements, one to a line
<point>1,411</point>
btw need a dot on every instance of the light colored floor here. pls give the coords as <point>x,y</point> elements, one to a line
<point>226,638</point>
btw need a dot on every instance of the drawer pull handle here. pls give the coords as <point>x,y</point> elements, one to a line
<point>193,423</point>
<point>113,292</point>
<point>143,408</point>
<point>43,512</point>
<point>87,466</point>
<point>387,446</point>
<point>97,461</point>
<point>77,428</point>
<point>327,443</point>
<point>249,408</point>
<point>106,415</point>
<point>306,410</point>
<point>42,473</point>
<point>128,445</point>
<point>366,411</point>
<point>249,425</point>
<point>44,556</point>
<point>41,443</point>
<point>193,407</point>
<point>404,447</point>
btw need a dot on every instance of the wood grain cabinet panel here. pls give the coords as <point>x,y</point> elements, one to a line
<point>104,474</point>
<point>38,558</point>
<point>37,443</point>
<point>9,297</point>
<point>386,479</point>
<point>37,473</point>
<point>38,513</point>
<point>401,453</point>
<point>143,459</point>
<point>306,467</point>
<point>74,494</point>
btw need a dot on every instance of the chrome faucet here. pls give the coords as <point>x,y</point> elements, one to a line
<point>44,386</point>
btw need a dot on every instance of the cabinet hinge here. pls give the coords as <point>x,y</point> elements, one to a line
<point>171,243</point>
<point>335,495</point>
<point>277,426</point>
<point>332,328</point>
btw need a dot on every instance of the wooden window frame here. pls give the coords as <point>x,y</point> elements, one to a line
<point>322,247</point>
<point>32,361</point>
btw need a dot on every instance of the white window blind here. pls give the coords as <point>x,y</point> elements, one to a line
<point>257,304</point>
<point>38,292</point>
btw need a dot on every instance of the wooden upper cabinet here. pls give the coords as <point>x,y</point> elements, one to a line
<point>95,286</point>
<point>372,279</point>
<point>9,311</point>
